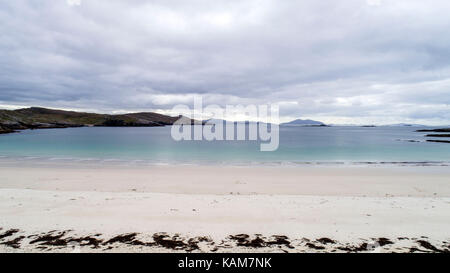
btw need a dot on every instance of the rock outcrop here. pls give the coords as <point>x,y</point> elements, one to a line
<point>438,135</point>
<point>442,130</point>
<point>4,130</point>
<point>438,141</point>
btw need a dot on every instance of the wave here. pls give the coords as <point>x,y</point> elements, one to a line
<point>145,162</point>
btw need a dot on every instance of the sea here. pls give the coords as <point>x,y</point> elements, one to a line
<point>297,146</point>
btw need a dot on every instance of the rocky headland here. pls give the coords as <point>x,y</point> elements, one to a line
<point>43,118</point>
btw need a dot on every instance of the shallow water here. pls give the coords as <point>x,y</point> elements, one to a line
<point>298,145</point>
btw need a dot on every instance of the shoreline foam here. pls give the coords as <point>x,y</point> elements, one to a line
<point>55,161</point>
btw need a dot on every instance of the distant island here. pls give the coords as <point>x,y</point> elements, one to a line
<point>304,122</point>
<point>406,125</point>
<point>225,122</point>
<point>43,118</point>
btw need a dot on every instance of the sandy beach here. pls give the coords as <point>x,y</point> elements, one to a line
<point>96,208</point>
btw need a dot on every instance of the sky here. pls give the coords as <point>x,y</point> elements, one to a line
<point>340,62</point>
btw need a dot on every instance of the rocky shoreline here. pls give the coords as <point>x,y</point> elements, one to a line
<point>441,130</point>
<point>13,127</point>
<point>4,130</point>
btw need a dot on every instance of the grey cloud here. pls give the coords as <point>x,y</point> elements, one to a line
<point>334,60</point>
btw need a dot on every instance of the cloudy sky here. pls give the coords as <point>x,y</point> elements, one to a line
<point>346,61</point>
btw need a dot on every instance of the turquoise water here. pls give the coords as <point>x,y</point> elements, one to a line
<point>297,145</point>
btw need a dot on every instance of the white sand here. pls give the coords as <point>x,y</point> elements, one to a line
<point>347,204</point>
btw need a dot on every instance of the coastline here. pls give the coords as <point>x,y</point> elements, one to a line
<point>61,161</point>
<point>224,208</point>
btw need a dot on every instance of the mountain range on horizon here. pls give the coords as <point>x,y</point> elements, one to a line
<point>303,122</point>
<point>45,118</point>
<point>314,123</point>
